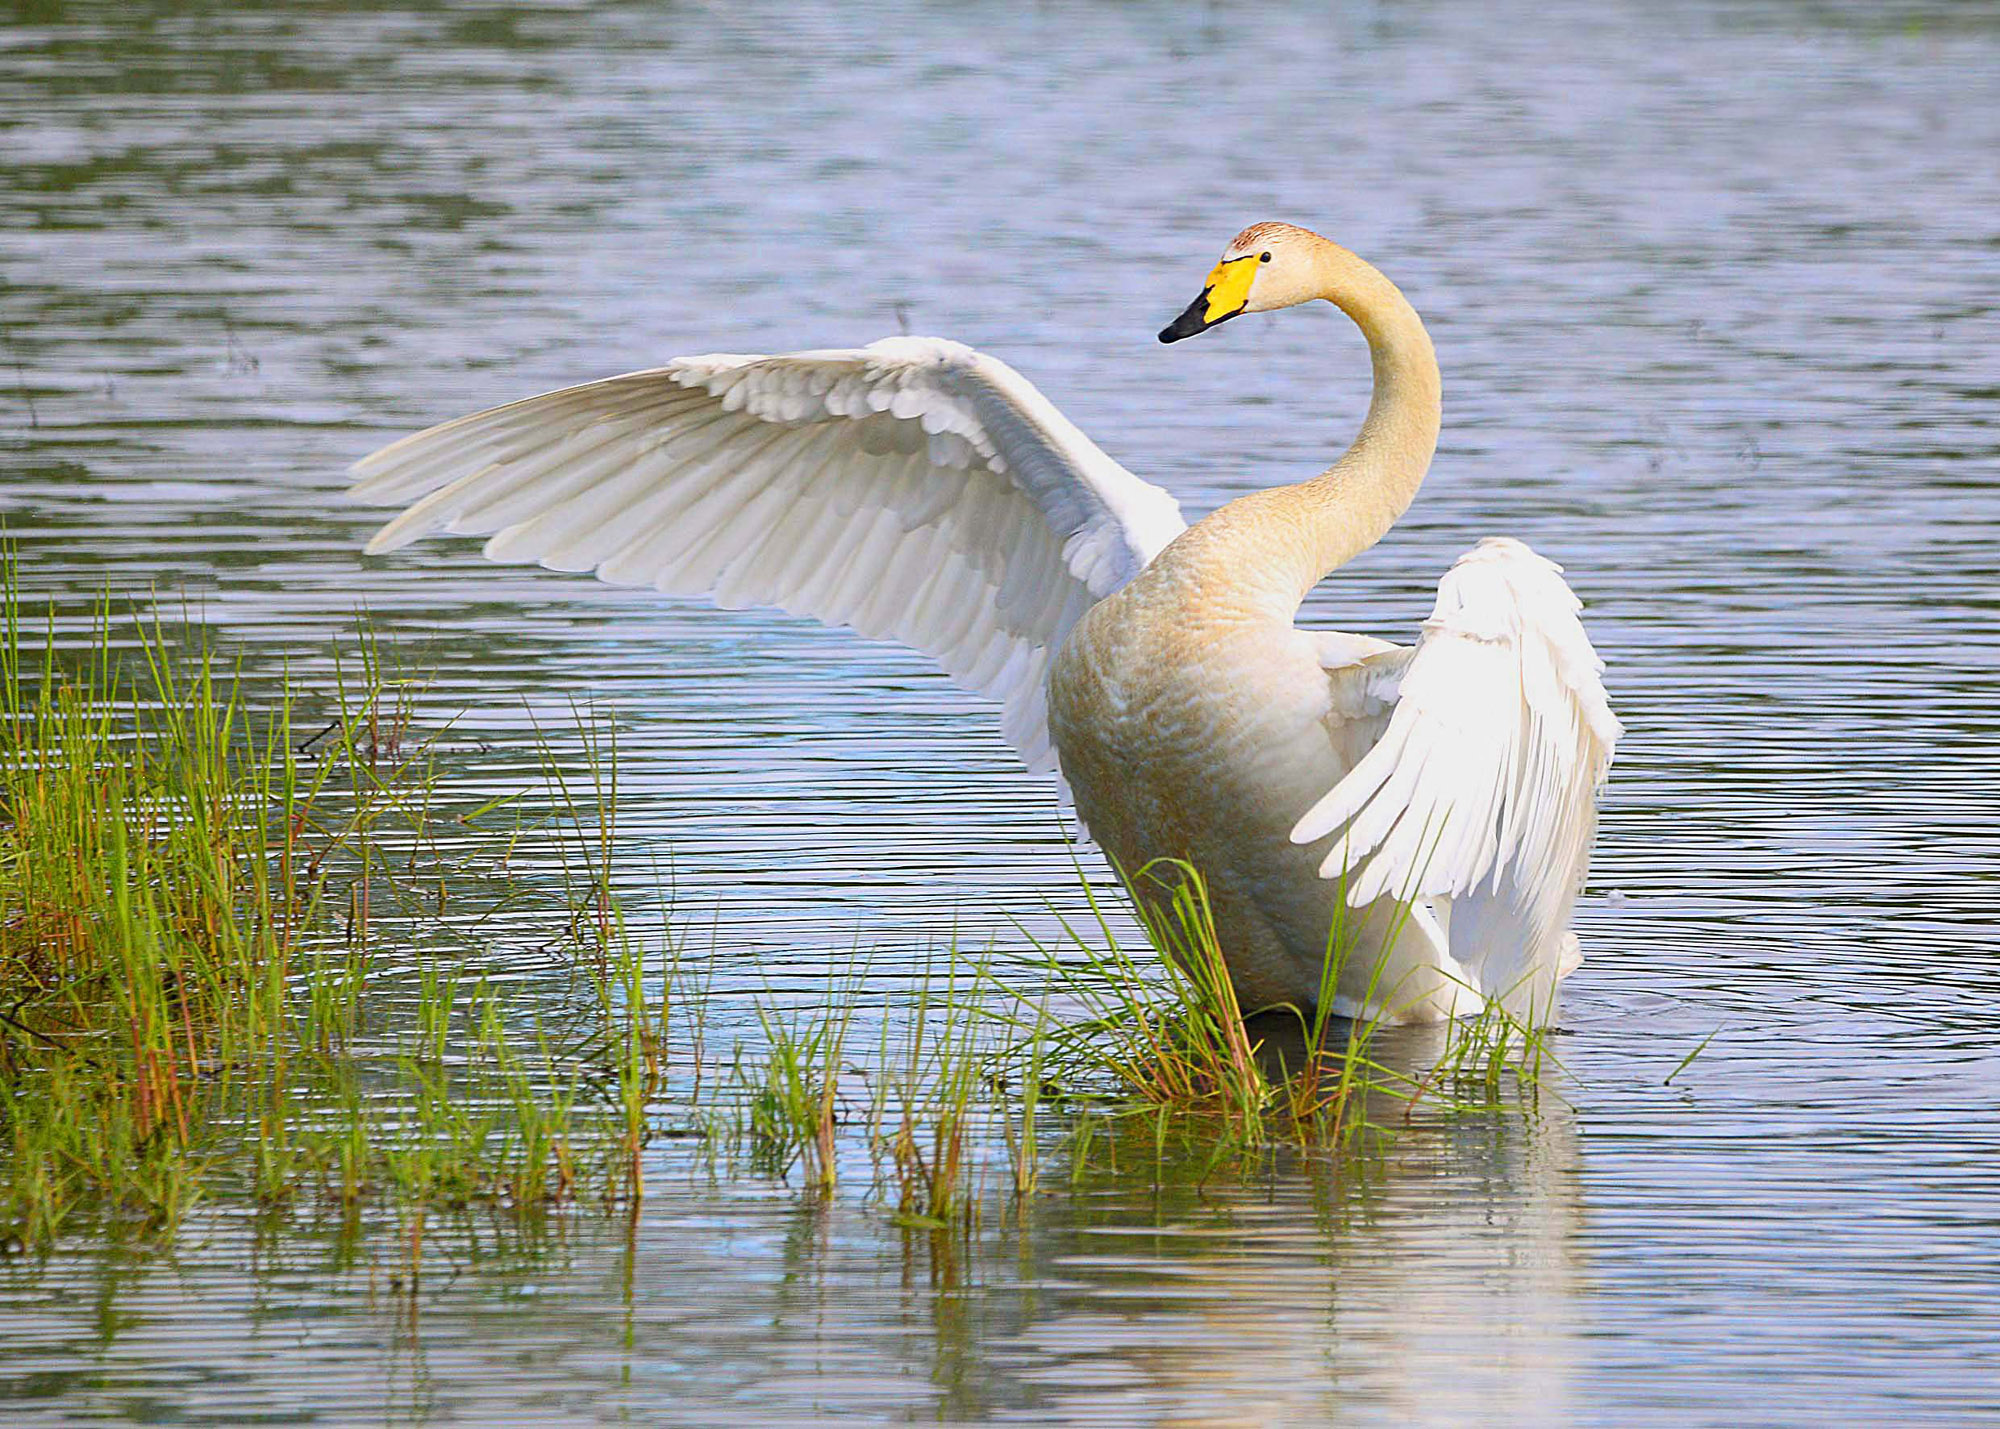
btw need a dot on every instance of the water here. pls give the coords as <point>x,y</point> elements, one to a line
<point>1713,288</point>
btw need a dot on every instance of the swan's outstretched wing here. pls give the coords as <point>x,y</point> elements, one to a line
<point>1482,789</point>
<point>913,489</point>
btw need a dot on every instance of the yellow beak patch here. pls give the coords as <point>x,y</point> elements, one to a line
<point>1229,287</point>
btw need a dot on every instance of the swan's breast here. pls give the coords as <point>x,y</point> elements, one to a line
<point>1188,735</point>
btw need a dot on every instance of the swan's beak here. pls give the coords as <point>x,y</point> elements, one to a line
<point>1226,294</point>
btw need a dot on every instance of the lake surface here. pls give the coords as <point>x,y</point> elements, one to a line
<point>1716,290</point>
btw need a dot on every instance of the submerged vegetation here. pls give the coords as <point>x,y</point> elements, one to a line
<point>248,948</point>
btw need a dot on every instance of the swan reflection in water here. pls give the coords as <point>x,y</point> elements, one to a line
<point>1434,1280</point>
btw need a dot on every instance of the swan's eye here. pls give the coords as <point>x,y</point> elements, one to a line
<point>1265,256</point>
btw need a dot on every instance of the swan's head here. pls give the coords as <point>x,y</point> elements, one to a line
<point>1266,266</point>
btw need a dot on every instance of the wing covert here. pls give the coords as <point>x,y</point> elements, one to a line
<point>914,490</point>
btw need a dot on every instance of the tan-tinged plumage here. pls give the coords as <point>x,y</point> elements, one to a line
<point>918,490</point>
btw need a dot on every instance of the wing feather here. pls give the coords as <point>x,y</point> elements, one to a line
<point>913,489</point>
<point>1481,790</point>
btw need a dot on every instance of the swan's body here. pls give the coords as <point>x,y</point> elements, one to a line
<point>918,490</point>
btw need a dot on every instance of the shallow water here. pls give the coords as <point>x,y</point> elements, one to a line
<point>1714,292</point>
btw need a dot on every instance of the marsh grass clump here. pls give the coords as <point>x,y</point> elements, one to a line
<point>917,1104</point>
<point>934,1097</point>
<point>1166,1034</point>
<point>1492,1051</point>
<point>1159,1032</point>
<point>792,1110</point>
<point>195,995</point>
<point>1158,1037</point>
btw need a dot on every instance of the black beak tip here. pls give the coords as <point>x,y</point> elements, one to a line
<point>1192,320</point>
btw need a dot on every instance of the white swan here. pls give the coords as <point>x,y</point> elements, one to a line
<point>918,490</point>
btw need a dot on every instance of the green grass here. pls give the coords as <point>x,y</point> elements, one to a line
<point>195,991</point>
<point>1156,1034</point>
<point>792,1114</point>
<point>933,1096</point>
<point>1161,1028</point>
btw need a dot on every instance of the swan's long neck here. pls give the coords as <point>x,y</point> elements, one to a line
<point>1262,553</point>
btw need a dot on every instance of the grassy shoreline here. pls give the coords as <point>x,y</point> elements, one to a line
<point>194,896</point>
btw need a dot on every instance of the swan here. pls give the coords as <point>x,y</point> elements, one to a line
<point>1437,802</point>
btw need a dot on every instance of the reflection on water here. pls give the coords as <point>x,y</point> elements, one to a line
<point>1713,290</point>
